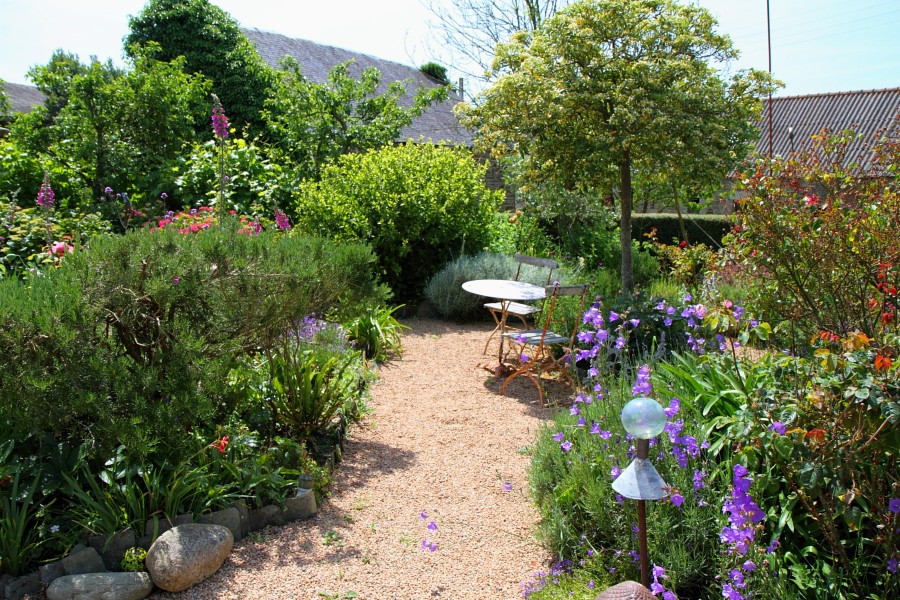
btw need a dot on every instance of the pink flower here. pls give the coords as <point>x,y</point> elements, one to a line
<point>61,249</point>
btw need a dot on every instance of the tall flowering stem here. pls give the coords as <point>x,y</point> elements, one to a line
<point>45,200</point>
<point>220,129</point>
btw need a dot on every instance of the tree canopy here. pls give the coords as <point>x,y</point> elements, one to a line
<point>212,44</point>
<point>609,89</point>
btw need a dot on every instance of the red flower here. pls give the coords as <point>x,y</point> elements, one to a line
<point>882,363</point>
<point>816,436</point>
<point>682,244</point>
<point>221,444</point>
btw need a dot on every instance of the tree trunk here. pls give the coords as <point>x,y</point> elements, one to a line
<point>625,198</point>
<point>684,234</point>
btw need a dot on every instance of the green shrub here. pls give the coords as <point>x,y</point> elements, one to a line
<point>417,205</point>
<point>448,300</point>
<point>131,340</point>
<point>701,229</point>
<point>376,332</point>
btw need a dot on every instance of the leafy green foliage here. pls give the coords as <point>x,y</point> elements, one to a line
<point>256,184</point>
<point>376,332</point>
<point>606,89</point>
<point>416,205</point>
<point>212,44</point>
<point>436,71</point>
<point>115,128</point>
<point>314,123</point>
<point>18,535</point>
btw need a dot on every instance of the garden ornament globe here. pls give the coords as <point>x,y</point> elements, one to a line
<point>643,418</point>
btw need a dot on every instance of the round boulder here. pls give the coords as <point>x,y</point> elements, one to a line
<point>186,555</point>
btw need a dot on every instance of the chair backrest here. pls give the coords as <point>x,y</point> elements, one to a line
<point>534,261</point>
<point>553,293</point>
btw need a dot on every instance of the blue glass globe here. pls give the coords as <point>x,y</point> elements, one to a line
<point>644,418</point>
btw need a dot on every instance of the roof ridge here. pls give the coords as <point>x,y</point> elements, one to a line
<point>371,56</point>
<point>847,93</point>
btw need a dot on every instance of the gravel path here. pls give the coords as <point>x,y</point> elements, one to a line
<point>440,441</point>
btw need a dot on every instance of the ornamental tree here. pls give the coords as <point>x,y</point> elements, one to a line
<point>607,90</point>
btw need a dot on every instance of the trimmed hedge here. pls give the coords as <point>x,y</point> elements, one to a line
<point>701,229</point>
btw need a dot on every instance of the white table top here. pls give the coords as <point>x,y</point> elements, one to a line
<point>504,289</point>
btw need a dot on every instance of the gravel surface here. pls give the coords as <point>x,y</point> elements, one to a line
<point>440,441</point>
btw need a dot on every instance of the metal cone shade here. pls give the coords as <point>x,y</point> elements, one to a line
<point>640,481</point>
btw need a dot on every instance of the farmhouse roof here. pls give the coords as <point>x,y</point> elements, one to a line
<point>22,97</point>
<point>437,123</point>
<point>867,112</point>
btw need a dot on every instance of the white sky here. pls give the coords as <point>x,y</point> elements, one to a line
<point>817,45</point>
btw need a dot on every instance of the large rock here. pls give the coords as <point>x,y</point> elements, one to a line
<point>112,547</point>
<point>17,587</point>
<point>101,586</point>
<point>301,506</point>
<point>266,516</point>
<point>83,560</point>
<point>188,554</point>
<point>229,517</point>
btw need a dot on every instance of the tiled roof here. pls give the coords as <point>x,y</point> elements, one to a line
<point>866,112</point>
<point>437,123</point>
<point>23,97</point>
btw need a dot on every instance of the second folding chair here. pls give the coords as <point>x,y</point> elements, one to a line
<point>535,347</point>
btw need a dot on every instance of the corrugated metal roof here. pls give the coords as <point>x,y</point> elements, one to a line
<point>437,123</point>
<point>866,112</point>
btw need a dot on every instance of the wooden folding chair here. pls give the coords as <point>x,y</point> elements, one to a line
<point>517,309</point>
<point>534,347</point>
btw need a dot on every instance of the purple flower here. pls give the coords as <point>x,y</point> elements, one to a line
<point>657,572</point>
<point>635,322</point>
<point>573,410</point>
<point>430,546</point>
<point>894,505</point>
<point>45,197</point>
<point>219,120</point>
<point>669,595</point>
<point>642,386</point>
<point>423,515</point>
<point>657,588</point>
<point>282,221</point>
<point>698,479</point>
<point>566,446</point>
<point>778,427</point>
<point>176,280</point>
<point>674,407</point>
<point>749,566</point>
<point>581,422</point>
<point>595,428</point>
<point>667,322</point>
<point>432,526</point>
<point>613,316</point>
<point>615,472</point>
<point>892,565</point>
<point>773,546</point>
<point>108,191</point>
<point>591,584</point>
<point>620,343</point>
<point>507,486</point>
<point>677,499</point>
<point>558,437</point>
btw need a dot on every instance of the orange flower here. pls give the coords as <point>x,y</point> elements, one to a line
<point>816,436</point>
<point>882,363</point>
<point>221,444</point>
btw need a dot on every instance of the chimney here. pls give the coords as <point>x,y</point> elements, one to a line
<point>461,89</point>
